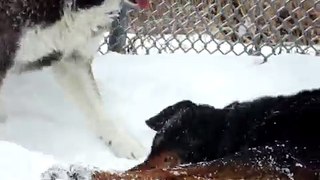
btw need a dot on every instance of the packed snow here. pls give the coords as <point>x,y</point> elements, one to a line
<point>45,129</point>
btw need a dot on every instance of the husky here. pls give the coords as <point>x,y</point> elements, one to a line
<point>65,35</point>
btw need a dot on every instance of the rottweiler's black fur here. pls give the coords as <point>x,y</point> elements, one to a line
<point>204,133</point>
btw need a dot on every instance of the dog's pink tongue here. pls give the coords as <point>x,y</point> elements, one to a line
<point>143,4</point>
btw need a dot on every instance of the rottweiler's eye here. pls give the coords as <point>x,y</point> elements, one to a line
<point>167,159</point>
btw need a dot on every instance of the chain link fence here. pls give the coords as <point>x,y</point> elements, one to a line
<point>255,27</point>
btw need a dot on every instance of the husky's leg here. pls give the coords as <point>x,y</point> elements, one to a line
<point>75,76</point>
<point>8,46</point>
<point>3,119</point>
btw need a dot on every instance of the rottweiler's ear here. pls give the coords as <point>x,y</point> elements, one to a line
<point>158,121</point>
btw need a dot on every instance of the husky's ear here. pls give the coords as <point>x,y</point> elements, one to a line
<point>158,121</point>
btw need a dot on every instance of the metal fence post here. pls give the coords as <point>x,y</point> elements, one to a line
<point>118,34</point>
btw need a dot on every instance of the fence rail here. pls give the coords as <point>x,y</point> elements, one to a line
<point>254,27</point>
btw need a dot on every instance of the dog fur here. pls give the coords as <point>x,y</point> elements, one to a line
<point>257,163</point>
<point>66,36</point>
<point>191,133</point>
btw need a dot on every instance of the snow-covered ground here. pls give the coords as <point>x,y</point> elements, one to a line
<point>45,129</point>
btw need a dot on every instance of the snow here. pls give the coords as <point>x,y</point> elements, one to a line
<point>44,129</point>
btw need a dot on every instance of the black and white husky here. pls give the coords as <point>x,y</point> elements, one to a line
<point>64,34</point>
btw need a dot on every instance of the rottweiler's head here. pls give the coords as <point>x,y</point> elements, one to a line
<point>186,133</point>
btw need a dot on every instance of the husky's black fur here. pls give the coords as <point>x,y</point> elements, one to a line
<point>15,15</point>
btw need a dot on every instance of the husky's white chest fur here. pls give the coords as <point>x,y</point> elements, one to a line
<point>75,31</point>
<point>28,40</point>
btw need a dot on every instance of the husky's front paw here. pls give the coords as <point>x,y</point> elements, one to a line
<point>123,145</point>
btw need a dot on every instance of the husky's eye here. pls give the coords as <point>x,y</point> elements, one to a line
<point>116,12</point>
<point>113,14</point>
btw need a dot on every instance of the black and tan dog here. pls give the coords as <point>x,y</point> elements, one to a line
<point>267,138</point>
<point>197,133</point>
